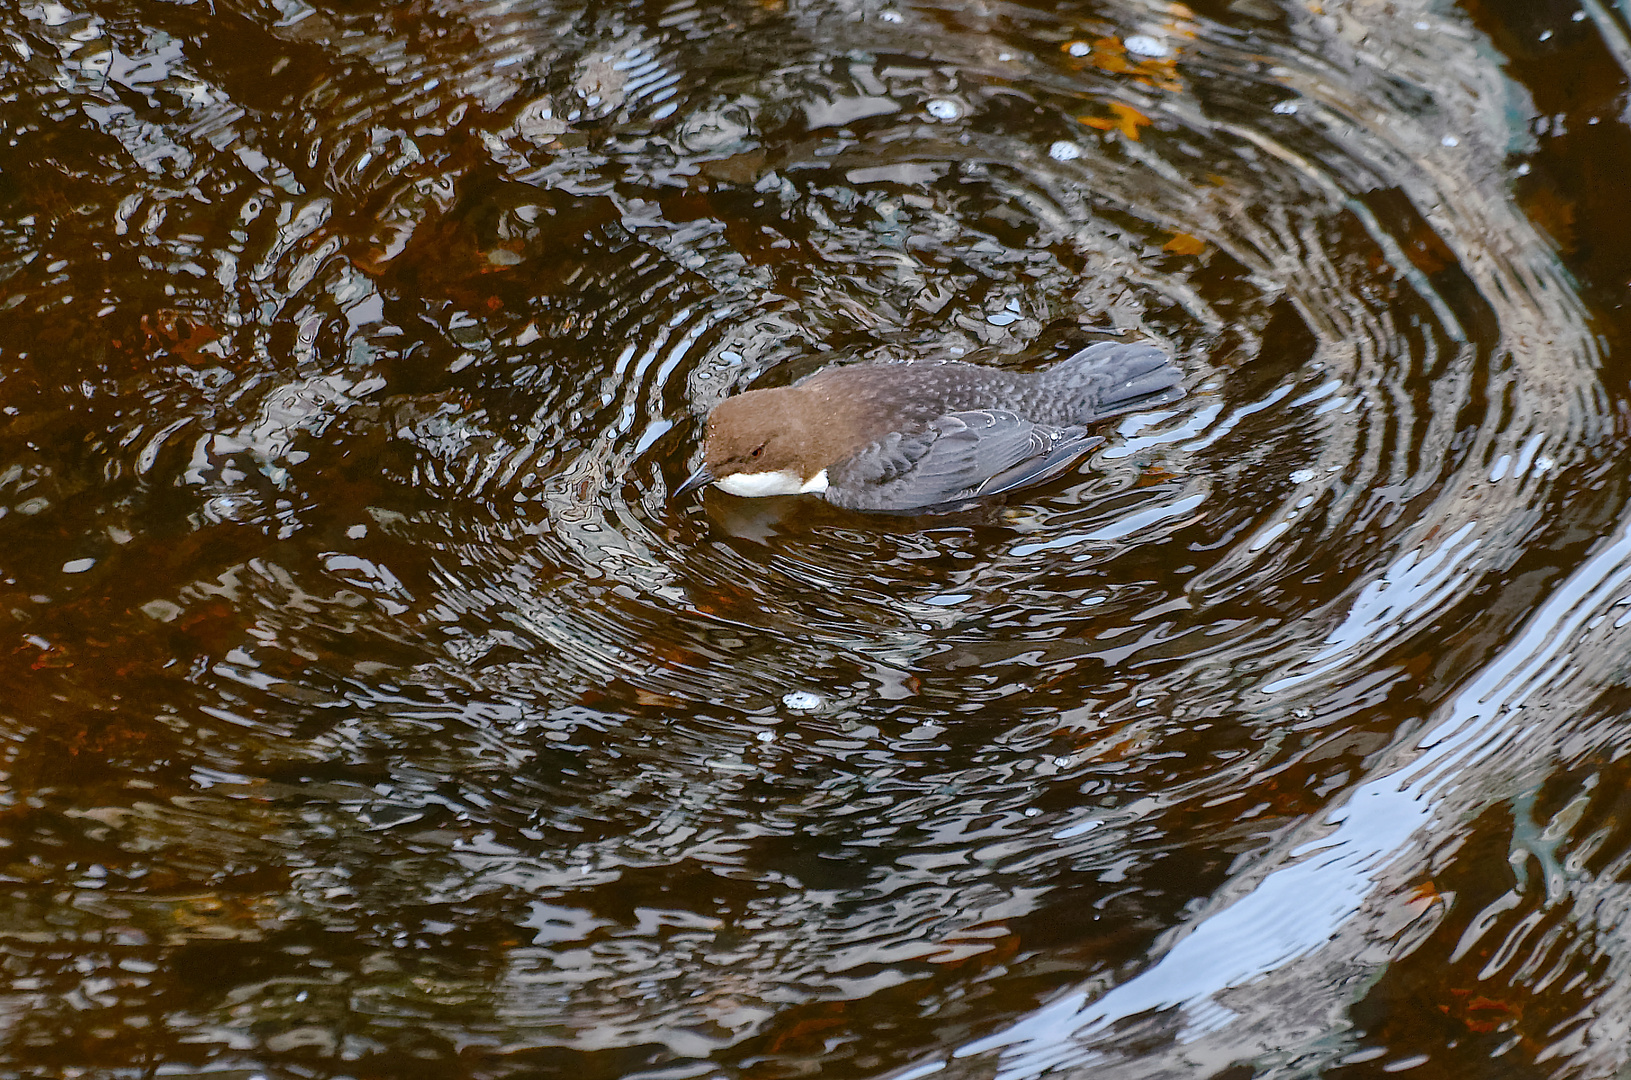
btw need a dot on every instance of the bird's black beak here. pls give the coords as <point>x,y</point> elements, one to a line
<point>700,478</point>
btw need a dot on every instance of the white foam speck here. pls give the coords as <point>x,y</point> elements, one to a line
<point>1145,45</point>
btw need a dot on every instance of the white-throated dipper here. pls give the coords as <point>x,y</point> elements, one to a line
<point>925,435</point>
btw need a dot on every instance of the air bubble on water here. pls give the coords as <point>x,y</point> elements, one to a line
<point>802,700</point>
<point>942,109</point>
<point>1145,45</point>
<point>1064,151</point>
<point>1302,476</point>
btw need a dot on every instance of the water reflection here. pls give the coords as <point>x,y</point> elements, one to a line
<point>1335,866</point>
<point>374,711</point>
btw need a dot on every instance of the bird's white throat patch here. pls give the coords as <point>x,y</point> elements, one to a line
<point>754,485</point>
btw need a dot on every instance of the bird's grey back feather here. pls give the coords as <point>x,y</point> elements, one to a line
<point>1099,381</point>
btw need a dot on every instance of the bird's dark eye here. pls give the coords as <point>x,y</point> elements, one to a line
<point>758,450</point>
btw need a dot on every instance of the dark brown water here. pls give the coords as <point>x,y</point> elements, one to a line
<point>367,709</point>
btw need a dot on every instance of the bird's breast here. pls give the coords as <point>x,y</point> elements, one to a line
<point>757,485</point>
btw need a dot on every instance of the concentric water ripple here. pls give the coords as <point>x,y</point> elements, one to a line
<point>377,706</point>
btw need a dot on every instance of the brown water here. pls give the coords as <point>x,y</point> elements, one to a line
<point>368,710</point>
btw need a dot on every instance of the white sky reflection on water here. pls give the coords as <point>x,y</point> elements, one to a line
<point>1300,907</point>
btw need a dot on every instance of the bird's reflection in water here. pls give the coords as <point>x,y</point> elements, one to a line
<point>760,519</point>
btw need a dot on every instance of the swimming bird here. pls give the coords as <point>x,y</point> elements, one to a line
<point>923,436</point>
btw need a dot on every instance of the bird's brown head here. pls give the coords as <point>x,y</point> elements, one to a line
<point>765,440</point>
<point>760,431</point>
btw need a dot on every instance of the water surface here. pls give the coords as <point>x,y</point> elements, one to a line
<point>372,711</point>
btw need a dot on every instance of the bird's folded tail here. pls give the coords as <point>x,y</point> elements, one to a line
<point>1117,378</point>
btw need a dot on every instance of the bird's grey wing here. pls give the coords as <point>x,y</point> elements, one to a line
<point>956,458</point>
<point>1062,450</point>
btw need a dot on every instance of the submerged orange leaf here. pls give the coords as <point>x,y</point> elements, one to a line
<point>1110,55</point>
<point>1427,890</point>
<point>1491,1014</point>
<point>1184,244</point>
<point>1125,119</point>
